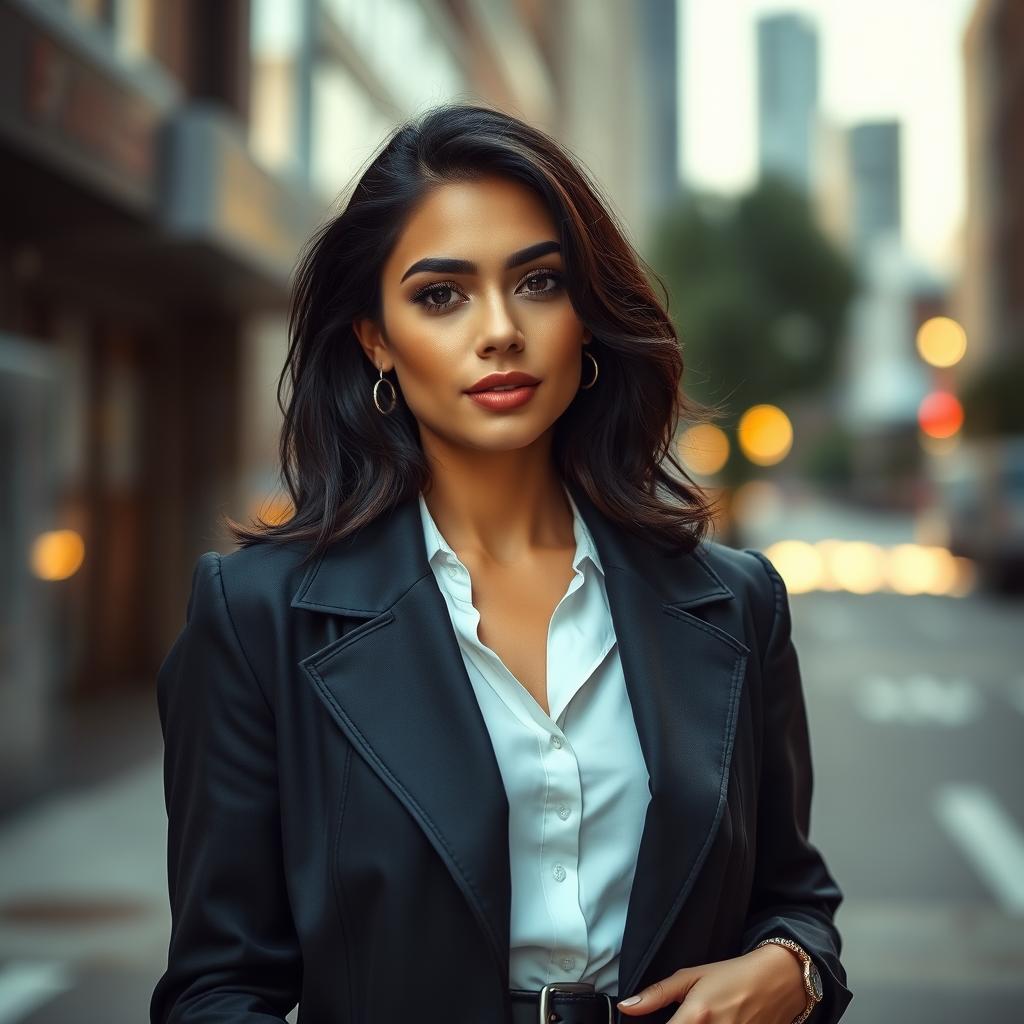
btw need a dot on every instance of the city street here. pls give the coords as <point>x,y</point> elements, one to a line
<point>916,707</point>
<point>917,716</point>
<point>254,255</point>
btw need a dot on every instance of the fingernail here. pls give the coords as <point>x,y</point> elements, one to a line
<point>631,1001</point>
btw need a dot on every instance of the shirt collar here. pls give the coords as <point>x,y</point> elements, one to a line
<point>438,547</point>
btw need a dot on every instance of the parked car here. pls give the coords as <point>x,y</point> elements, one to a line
<point>979,493</point>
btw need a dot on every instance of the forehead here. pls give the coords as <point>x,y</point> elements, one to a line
<point>484,220</point>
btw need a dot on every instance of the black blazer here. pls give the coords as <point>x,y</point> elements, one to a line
<point>338,827</point>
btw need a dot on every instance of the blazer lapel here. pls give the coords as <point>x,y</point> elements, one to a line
<point>683,676</point>
<point>397,686</point>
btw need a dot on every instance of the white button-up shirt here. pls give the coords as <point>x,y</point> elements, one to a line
<point>576,780</point>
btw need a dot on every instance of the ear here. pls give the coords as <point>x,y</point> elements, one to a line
<point>371,339</point>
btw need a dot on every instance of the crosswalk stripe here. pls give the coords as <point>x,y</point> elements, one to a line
<point>989,838</point>
<point>27,984</point>
<point>920,699</point>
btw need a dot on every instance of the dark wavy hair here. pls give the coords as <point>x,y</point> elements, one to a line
<point>344,464</point>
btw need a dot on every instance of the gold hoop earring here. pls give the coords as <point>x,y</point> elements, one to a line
<point>593,381</point>
<point>376,399</point>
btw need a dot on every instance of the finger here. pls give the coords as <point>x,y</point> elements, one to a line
<point>672,989</point>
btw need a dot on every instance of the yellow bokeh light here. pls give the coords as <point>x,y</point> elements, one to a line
<point>704,448</point>
<point>798,563</point>
<point>944,574</point>
<point>923,569</point>
<point>857,566</point>
<point>827,549</point>
<point>966,577</point>
<point>941,341</point>
<point>862,567</point>
<point>765,434</point>
<point>57,554</point>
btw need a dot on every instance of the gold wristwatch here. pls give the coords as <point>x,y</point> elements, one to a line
<point>812,977</point>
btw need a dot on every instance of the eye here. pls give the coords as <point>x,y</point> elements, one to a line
<point>540,275</point>
<point>432,290</point>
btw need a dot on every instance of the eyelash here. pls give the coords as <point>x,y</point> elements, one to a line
<point>421,295</point>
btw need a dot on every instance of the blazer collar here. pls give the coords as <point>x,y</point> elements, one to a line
<point>397,687</point>
<point>366,574</point>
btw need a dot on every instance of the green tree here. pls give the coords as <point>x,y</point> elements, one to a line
<point>758,294</point>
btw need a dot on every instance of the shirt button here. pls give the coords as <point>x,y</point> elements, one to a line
<point>556,743</point>
<point>568,963</point>
<point>559,872</point>
<point>563,812</point>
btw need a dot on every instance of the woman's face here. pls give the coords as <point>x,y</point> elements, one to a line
<point>448,325</point>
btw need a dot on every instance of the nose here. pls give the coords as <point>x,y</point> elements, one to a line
<point>498,330</point>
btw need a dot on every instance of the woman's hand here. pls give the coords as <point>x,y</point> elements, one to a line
<point>764,986</point>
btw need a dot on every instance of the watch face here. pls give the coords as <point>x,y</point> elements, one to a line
<point>816,982</point>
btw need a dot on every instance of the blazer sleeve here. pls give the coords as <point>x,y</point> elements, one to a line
<point>233,954</point>
<point>794,895</point>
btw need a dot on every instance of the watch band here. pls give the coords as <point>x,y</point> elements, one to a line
<point>807,964</point>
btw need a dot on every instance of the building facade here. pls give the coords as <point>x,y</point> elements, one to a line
<point>164,163</point>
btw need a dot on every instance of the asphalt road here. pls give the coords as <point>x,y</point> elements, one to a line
<point>916,707</point>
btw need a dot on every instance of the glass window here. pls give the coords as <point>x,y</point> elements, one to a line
<point>347,128</point>
<point>275,64</point>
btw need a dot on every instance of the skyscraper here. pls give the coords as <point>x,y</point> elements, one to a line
<point>787,96</point>
<point>874,151</point>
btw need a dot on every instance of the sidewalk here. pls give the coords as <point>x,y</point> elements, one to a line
<point>84,917</point>
<point>84,920</point>
<point>91,739</point>
<point>83,905</point>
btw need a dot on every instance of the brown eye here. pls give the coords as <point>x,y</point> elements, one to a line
<point>539,277</point>
<point>440,294</point>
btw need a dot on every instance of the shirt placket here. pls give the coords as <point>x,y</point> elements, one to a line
<point>560,856</point>
<point>561,813</point>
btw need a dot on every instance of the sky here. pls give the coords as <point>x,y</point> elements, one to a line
<point>879,59</point>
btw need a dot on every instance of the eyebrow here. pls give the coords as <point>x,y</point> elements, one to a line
<point>448,265</point>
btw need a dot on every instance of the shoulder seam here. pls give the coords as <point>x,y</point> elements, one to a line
<point>776,580</point>
<point>238,639</point>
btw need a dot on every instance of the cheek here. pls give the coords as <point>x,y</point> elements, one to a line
<point>565,326</point>
<point>426,350</point>
<point>562,337</point>
<point>427,358</point>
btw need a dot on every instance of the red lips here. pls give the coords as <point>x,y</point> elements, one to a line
<point>493,380</point>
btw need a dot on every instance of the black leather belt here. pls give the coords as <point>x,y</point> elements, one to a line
<point>562,1002</point>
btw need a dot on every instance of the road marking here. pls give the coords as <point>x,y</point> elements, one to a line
<point>26,984</point>
<point>919,700</point>
<point>988,837</point>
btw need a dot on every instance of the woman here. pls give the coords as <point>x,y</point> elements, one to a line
<point>488,730</point>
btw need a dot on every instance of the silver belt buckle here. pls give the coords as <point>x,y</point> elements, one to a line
<point>567,986</point>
